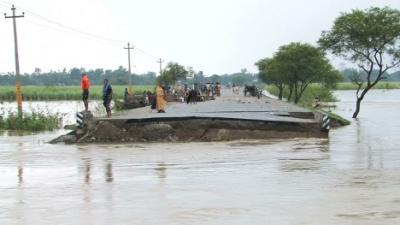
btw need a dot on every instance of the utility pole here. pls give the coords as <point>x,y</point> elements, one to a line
<point>17,82</point>
<point>160,61</point>
<point>129,48</point>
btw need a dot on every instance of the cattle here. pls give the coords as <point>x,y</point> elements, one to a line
<point>192,97</point>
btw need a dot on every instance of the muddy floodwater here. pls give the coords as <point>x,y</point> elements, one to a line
<point>351,178</point>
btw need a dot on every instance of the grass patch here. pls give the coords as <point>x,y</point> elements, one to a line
<point>380,85</point>
<point>308,98</point>
<point>342,121</point>
<point>309,94</point>
<point>30,122</point>
<point>45,93</point>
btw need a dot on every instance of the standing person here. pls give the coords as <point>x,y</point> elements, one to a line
<point>218,89</point>
<point>208,89</point>
<point>213,89</point>
<point>152,101</point>
<point>107,97</point>
<point>85,85</point>
<point>160,94</point>
<point>126,95</point>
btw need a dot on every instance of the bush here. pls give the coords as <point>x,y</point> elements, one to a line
<point>307,99</point>
<point>30,122</point>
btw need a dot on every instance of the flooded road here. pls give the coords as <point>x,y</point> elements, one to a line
<point>351,178</point>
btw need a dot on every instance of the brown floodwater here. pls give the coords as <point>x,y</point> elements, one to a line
<point>351,178</point>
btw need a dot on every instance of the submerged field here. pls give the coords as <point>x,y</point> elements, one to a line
<point>316,90</point>
<point>308,96</point>
<point>41,93</point>
<point>380,85</point>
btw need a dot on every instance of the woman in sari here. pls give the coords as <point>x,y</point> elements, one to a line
<point>160,94</point>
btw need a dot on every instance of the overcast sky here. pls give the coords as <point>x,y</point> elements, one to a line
<point>215,36</point>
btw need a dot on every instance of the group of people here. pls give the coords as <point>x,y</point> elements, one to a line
<point>198,92</point>
<point>107,93</point>
<point>180,93</point>
<point>211,89</point>
<point>157,100</point>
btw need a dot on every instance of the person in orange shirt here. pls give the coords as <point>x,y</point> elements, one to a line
<point>85,85</point>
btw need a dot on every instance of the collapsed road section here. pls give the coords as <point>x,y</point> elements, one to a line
<point>225,119</point>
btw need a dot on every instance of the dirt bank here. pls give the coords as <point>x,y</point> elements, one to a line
<point>187,129</point>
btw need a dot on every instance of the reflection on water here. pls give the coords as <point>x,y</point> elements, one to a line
<point>87,166</point>
<point>20,165</point>
<point>161,170</point>
<point>350,178</point>
<point>108,173</point>
<point>20,175</point>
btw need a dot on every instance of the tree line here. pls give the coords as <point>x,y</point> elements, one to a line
<point>119,76</point>
<point>175,72</point>
<point>350,74</point>
<point>172,73</point>
<point>72,77</point>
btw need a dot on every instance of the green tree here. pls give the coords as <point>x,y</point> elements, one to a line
<point>369,38</point>
<point>270,73</point>
<point>172,73</point>
<point>298,65</point>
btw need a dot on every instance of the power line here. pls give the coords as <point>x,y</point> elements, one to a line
<point>66,26</point>
<point>70,33</point>
<point>4,6</point>
<point>5,3</point>
<point>146,53</point>
<point>79,35</point>
<point>85,33</point>
<point>73,31</point>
